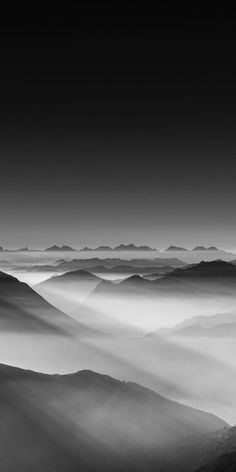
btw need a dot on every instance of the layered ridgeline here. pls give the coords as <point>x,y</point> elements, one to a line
<point>120,247</point>
<point>86,421</point>
<point>78,282</point>
<point>219,325</point>
<point>213,276</point>
<point>190,278</point>
<point>111,264</point>
<point>23,310</point>
<point>172,295</point>
<point>198,253</point>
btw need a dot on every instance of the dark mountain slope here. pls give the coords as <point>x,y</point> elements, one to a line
<point>86,421</point>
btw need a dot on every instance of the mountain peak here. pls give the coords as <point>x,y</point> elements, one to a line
<point>59,248</point>
<point>203,248</point>
<point>212,268</point>
<point>176,248</point>
<point>132,247</point>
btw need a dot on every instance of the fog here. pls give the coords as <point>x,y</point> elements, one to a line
<point>125,314</point>
<point>124,341</point>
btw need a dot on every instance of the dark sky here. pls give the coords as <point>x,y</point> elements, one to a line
<point>118,123</point>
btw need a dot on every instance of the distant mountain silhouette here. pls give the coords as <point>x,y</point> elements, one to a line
<point>98,248</point>
<point>194,280</point>
<point>226,330</point>
<point>74,275</point>
<point>120,247</point>
<point>132,247</point>
<point>60,248</point>
<point>109,264</point>
<point>126,269</point>
<point>200,323</point>
<point>137,285</point>
<point>203,248</point>
<point>22,310</point>
<point>176,248</point>
<point>72,279</point>
<point>91,422</point>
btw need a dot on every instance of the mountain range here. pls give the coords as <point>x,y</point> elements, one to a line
<point>219,324</point>
<point>56,248</point>
<point>176,248</point>
<point>120,247</point>
<point>196,248</point>
<point>94,264</point>
<point>203,248</point>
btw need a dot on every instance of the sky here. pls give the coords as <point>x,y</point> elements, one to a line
<point>117,124</point>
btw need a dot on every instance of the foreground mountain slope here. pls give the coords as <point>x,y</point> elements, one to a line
<point>224,463</point>
<point>219,452</point>
<point>86,421</point>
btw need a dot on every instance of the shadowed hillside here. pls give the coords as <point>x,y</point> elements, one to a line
<point>86,421</point>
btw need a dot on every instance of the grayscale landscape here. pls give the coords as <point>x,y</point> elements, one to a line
<point>117,237</point>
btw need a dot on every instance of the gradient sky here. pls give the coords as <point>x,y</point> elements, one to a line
<point>117,124</point>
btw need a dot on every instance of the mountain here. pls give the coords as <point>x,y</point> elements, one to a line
<point>216,268</point>
<point>23,310</point>
<point>59,248</point>
<point>136,291</point>
<point>109,264</point>
<point>224,463</point>
<point>175,248</point>
<point>200,253</point>
<point>134,285</point>
<point>132,247</point>
<point>120,247</point>
<point>21,249</point>
<point>125,269</point>
<point>197,248</point>
<point>87,421</point>
<point>99,248</point>
<point>216,277</point>
<point>219,453</point>
<point>68,291</point>
<point>203,248</point>
<point>194,280</point>
<point>226,330</point>
<point>74,285</point>
<point>75,275</point>
<point>207,323</point>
